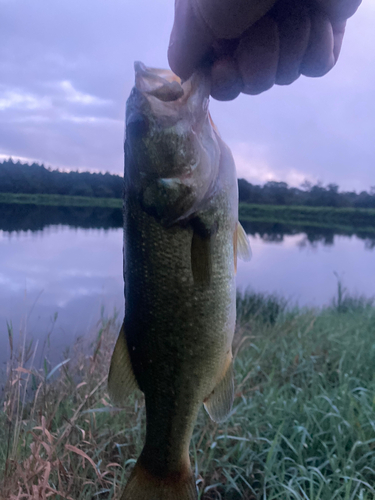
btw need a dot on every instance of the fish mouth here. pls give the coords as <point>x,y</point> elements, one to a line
<point>168,88</point>
<point>159,83</point>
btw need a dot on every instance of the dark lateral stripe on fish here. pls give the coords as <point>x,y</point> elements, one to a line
<point>201,259</point>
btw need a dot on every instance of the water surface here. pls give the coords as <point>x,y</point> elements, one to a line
<point>69,262</point>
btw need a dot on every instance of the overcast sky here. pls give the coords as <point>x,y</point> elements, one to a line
<point>66,69</point>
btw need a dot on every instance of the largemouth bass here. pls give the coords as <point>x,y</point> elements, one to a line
<point>181,240</point>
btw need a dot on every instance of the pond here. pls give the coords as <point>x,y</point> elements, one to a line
<point>60,266</point>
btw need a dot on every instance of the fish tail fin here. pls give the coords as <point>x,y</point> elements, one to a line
<point>144,485</point>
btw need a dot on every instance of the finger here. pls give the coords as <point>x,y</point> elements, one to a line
<point>338,28</point>
<point>226,82</point>
<point>319,58</point>
<point>231,18</point>
<point>189,42</point>
<point>293,22</point>
<point>338,10</point>
<point>257,56</point>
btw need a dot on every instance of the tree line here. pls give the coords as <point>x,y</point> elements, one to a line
<point>279,193</point>
<point>17,177</point>
<point>37,179</point>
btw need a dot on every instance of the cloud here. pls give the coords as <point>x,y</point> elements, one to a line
<point>17,99</point>
<point>73,95</point>
<point>60,94</point>
<point>22,159</point>
<point>252,164</point>
<point>93,120</point>
<point>67,69</point>
<point>71,65</point>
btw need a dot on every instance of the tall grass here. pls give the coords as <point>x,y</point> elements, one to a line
<point>302,424</point>
<point>52,439</point>
<point>345,302</point>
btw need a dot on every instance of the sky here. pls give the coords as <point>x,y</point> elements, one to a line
<point>66,70</point>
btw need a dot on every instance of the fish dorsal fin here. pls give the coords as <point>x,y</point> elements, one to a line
<point>121,378</point>
<point>219,402</point>
<point>243,245</point>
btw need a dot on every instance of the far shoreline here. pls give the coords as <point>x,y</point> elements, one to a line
<point>344,219</point>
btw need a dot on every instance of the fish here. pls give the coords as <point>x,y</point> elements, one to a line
<point>181,242</point>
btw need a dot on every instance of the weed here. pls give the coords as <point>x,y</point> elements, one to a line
<point>302,424</point>
<point>344,302</point>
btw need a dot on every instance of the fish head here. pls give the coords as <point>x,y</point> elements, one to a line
<point>171,149</point>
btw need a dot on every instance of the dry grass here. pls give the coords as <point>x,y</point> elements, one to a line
<point>302,425</point>
<point>53,436</point>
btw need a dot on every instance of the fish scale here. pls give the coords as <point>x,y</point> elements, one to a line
<point>180,248</point>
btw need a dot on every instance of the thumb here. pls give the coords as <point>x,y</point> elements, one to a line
<point>198,23</point>
<point>190,40</point>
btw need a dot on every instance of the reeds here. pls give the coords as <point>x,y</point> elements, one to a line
<point>302,425</point>
<point>345,302</point>
<point>53,444</point>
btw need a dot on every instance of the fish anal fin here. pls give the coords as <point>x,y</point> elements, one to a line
<point>243,245</point>
<point>121,378</point>
<point>143,485</point>
<point>219,402</point>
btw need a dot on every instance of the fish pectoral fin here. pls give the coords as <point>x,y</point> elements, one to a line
<point>243,245</point>
<point>121,378</point>
<point>201,258</point>
<point>219,402</point>
<point>202,249</point>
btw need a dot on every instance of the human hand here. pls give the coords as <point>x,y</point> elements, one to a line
<point>252,44</point>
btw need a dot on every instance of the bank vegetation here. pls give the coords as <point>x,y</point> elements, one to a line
<point>302,425</point>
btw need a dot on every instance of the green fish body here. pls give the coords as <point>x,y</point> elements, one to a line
<point>181,239</point>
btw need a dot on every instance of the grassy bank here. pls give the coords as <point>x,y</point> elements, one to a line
<point>60,200</point>
<point>302,425</point>
<point>342,218</point>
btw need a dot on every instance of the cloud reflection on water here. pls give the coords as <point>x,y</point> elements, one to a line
<point>303,271</point>
<point>71,272</point>
<point>75,271</point>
